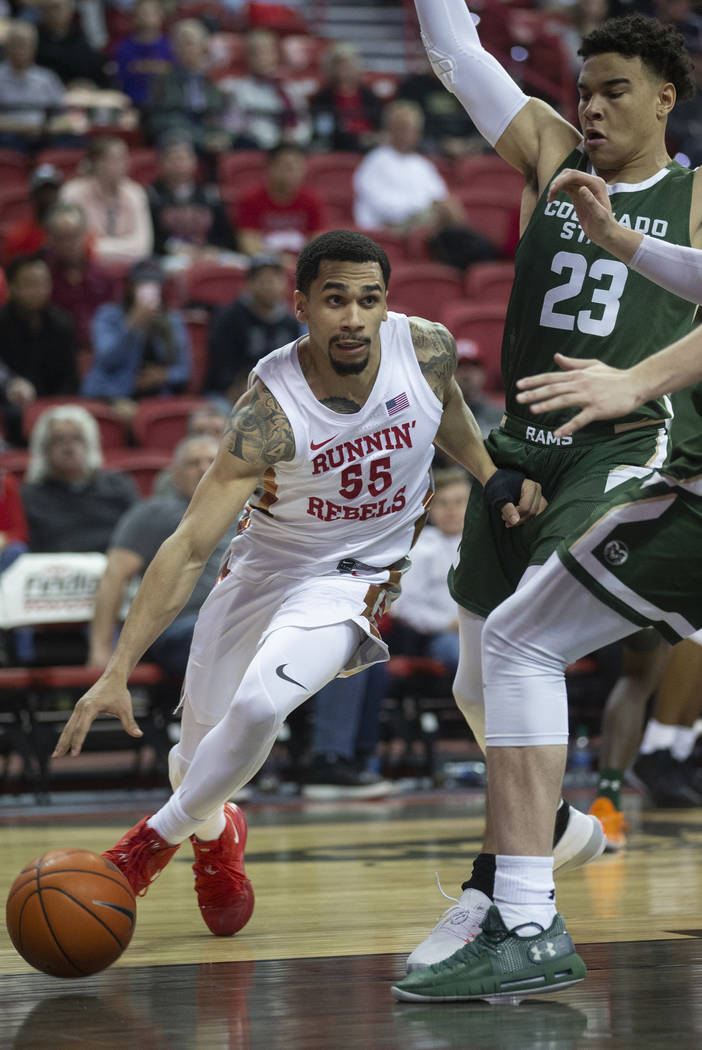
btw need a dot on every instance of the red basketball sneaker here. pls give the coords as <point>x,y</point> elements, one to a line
<point>141,855</point>
<point>224,893</point>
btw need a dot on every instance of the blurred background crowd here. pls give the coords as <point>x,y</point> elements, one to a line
<point>161,164</point>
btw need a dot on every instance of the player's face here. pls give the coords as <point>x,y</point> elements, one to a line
<point>622,109</point>
<point>343,311</point>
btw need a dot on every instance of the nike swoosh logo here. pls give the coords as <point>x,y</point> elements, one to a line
<point>280,671</point>
<point>314,445</point>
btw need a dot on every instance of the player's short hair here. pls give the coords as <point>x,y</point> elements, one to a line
<point>340,246</point>
<point>660,46</point>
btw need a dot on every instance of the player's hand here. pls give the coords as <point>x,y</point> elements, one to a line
<point>590,200</point>
<point>598,390</point>
<point>104,698</point>
<point>531,503</point>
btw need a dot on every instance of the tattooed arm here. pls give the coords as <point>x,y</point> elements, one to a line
<point>458,434</point>
<point>258,435</point>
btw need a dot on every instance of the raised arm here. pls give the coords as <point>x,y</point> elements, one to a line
<point>258,436</point>
<point>459,435</point>
<point>526,132</point>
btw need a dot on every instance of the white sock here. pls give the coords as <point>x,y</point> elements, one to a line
<point>524,893</point>
<point>683,743</point>
<point>175,825</point>
<point>657,737</point>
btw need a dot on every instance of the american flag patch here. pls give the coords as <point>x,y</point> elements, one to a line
<point>396,404</point>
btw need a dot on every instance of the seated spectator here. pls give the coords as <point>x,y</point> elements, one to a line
<point>425,616</point>
<point>256,323</point>
<point>79,284</point>
<point>28,236</point>
<point>188,216</point>
<point>134,543</point>
<point>140,348</point>
<point>145,54</point>
<point>281,215</point>
<point>346,115</point>
<point>261,110</point>
<point>398,189</point>
<point>116,208</point>
<point>447,127</point>
<point>30,95</point>
<point>16,646</point>
<point>186,99</point>
<point>63,46</point>
<point>38,352</point>
<point>71,503</point>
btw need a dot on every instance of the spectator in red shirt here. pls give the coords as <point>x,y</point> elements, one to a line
<point>79,284</point>
<point>280,216</point>
<point>28,236</point>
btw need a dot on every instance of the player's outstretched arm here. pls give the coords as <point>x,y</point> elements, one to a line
<point>258,436</point>
<point>458,434</point>
<point>603,392</point>
<point>527,133</point>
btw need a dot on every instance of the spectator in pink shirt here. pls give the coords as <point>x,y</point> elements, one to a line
<point>116,208</point>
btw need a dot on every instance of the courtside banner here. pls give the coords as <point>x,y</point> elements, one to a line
<point>50,588</point>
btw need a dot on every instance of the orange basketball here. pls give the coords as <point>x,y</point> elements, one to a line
<point>70,913</point>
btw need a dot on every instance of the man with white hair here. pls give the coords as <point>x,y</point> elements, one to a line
<point>29,94</point>
<point>70,502</point>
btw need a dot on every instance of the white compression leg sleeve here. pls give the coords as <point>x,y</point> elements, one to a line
<point>291,665</point>
<point>485,90</point>
<point>528,642</point>
<point>468,683</point>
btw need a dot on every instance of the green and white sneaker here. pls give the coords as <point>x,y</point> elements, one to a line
<point>498,964</point>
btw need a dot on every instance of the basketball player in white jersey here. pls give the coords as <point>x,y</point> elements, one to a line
<point>331,446</point>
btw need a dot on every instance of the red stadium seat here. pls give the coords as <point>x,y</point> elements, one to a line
<point>198,324</point>
<point>143,165</point>
<point>424,289</point>
<point>213,285</point>
<point>160,423</point>
<point>489,172</point>
<point>15,462</point>
<point>242,167</point>
<point>14,170</point>
<point>143,465</point>
<point>483,324</point>
<point>113,433</point>
<point>489,281</point>
<point>15,204</point>
<point>491,215</point>
<point>395,245</point>
<point>66,159</point>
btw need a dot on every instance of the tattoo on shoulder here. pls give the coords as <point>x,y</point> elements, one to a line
<point>436,352</point>
<point>258,431</point>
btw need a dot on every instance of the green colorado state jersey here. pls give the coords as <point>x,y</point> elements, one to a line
<point>571,296</point>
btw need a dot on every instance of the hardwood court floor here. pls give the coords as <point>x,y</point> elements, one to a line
<point>344,891</point>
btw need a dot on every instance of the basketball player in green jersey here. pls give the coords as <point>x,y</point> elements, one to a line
<point>572,296</point>
<point>638,561</point>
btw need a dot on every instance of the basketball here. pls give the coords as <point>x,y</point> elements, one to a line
<point>70,913</point>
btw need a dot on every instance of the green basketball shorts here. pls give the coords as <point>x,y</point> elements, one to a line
<point>576,475</point>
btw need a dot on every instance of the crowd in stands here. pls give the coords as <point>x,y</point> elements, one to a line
<point>161,165</point>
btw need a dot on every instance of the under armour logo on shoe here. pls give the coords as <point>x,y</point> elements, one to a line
<point>537,953</point>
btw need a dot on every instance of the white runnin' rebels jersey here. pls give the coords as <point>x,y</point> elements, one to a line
<point>359,483</point>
